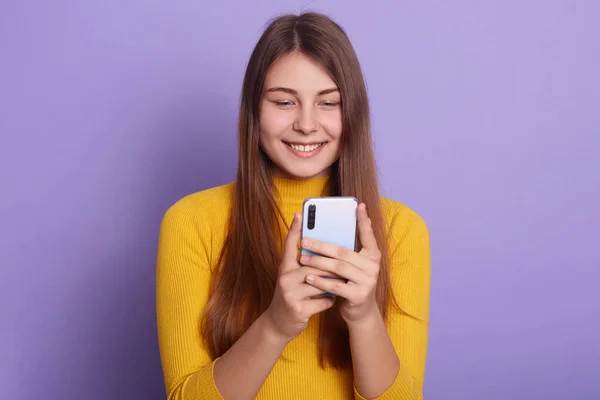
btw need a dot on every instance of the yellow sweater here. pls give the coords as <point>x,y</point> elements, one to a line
<point>191,237</point>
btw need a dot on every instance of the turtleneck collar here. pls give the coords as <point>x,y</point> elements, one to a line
<point>296,190</point>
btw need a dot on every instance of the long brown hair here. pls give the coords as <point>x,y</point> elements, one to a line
<point>244,283</point>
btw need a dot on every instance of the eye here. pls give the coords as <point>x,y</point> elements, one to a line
<point>329,104</point>
<point>283,104</point>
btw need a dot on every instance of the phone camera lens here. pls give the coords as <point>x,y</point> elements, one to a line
<point>311,216</point>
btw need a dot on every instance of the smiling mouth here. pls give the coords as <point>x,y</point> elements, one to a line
<point>305,148</point>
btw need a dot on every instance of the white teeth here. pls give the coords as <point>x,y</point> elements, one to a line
<point>300,147</point>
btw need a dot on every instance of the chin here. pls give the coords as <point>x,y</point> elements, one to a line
<point>304,173</point>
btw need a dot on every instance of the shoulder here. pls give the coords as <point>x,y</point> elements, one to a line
<point>196,223</point>
<point>401,220</point>
<point>203,207</point>
<point>410,258</point>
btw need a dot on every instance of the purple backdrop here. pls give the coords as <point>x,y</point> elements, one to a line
<point>486,120</point>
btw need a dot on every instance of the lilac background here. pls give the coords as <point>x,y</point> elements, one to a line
<point>486,120</point>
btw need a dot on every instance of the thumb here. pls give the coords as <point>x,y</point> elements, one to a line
<point>315,306</point>
<point>290,247</point>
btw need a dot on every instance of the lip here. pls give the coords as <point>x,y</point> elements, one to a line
<point>306,154</point>
<point>305,144</point>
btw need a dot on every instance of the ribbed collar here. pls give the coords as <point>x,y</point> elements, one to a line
<point>296,190</point>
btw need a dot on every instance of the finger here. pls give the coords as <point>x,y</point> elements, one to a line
<point>340,268</point>
<point>337,252</point>
<point>305,291</point>
<point>365,230</point>
<point>332,286</point>
<point>290,247</point>
<point>315,306</point>
<point>300,273</point>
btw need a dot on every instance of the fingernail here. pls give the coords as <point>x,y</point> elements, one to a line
<point>306,242</point>
<point>304,259</point>
<point>310,278</point>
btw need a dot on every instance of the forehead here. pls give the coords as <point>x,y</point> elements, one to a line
<point>299,72</point>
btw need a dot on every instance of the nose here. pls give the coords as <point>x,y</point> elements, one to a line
<point>306,121</point>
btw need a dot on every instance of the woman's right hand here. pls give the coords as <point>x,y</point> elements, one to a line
<point>292,306</point>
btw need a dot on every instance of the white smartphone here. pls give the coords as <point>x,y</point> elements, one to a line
<point>330,220</point>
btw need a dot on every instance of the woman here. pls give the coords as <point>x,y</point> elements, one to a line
<point>238,318</point>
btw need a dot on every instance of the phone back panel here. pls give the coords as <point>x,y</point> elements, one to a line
<point>334,222</point>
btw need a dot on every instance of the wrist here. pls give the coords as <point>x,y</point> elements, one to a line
<point>367,323</point>
<point>270,333</point>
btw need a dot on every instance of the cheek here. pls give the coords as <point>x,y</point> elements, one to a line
<point>332,122</point>
<point>273,123</point>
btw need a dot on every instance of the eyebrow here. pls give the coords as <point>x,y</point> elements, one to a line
<point>295,92</point>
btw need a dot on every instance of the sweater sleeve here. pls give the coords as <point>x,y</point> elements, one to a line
<point>182,282</point>
<point>408,327</point>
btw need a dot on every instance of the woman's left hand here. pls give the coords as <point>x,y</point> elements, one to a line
<point>360,269</point>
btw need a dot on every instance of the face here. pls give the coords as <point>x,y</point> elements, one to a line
<point>300,118</point>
